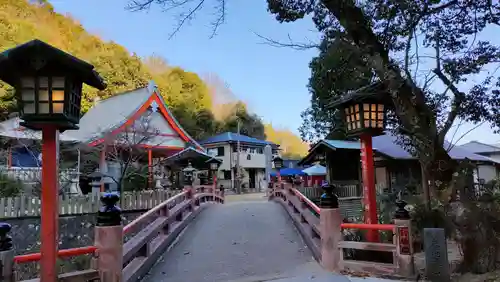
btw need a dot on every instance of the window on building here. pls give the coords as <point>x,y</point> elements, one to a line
<point>212,152</point>
<point>227,175</point>
<point>252,150</point>
<point>220,151</point>
<point>260,151</point>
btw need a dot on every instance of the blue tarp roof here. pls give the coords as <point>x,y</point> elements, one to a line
<point>315,170</point>
<point>386,145</point>
<point>289,172</point>
<point>235,137</point>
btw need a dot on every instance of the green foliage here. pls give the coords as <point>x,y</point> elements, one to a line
<point>290,144</point>
<point>10,187</point>
<point>136,178</point>
<point>334,72</point>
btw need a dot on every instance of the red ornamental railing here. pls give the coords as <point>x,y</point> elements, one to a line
<point>62,254</point>
<point>92,249</point>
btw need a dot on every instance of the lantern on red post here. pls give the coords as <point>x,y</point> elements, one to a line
<point>364,112</point>
<point>48,84</point>
<point>214,167</point>
<point>278,165</point>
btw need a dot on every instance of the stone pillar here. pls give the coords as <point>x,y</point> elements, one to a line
<point>6,253</point>
<point>404,241</point>
<point>329,226</point>
<point>109,239</point>
<point>437,267</point>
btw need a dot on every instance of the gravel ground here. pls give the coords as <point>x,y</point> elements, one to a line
<point>235,242</point>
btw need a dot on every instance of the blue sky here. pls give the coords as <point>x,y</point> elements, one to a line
<point>272,81</point>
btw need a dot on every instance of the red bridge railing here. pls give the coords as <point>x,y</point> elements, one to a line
<point>322,228</point>
<point>170,212</point>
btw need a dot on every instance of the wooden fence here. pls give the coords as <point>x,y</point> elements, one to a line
<point>28,206</point>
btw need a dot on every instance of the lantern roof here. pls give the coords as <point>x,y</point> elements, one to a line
<point>373,93</point>
<point>12,58</point>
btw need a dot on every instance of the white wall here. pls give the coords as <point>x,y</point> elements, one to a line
<point>486,172</point>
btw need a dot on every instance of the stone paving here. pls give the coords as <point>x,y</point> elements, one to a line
<point>252,240</point>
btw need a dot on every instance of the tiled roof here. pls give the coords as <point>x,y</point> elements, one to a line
<point>386,145</point>
<point>109,114</point>
<point>235,137</point>
<point>478,147</point>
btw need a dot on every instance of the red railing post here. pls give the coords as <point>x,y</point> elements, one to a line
<point>109,240</point>
<point>404,241</point>
<point>330,232</point>
<point>6,254</point>
<point>191,198</point>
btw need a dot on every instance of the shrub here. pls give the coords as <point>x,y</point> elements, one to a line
<point>10,187</point>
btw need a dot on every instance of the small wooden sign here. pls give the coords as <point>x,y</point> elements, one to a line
<point>404,241</point>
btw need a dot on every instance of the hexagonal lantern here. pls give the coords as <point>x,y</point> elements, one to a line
<point>189,173</point>
<point>48,83</point>
<point>278,162</point>
<point>364,110</point>
<point>214,164</point>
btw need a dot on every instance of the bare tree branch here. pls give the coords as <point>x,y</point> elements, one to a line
<point>290,44</point>
<point>187,11</point>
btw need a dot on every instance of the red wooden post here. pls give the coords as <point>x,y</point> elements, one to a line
<point>329,222</point>
<point>49,211</point>
<point>369,196</point>
<point>108,236</point>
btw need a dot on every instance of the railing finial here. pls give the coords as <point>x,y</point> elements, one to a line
<point>5,239</point>
<point>109,214</point>
<point>328,200</point>
<point>401,212</point>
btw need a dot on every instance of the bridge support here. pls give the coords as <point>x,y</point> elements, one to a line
<point>109,240</point>
<point>331,235</point>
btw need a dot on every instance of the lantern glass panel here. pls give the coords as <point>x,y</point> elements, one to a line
<point>43,108</point>
<point>28,82</point>
<point>28,95</point>
<point>43,95</point>
<point>43,82</point>
<point>29,108</point>
<point>380,107</point>
<point>58,95</point>
<point>213,166</point>
<point>58,82</point>
<point>58,108</point>
<point>366,107</point>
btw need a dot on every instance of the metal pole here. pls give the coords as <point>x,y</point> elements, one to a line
<point>238,184</point>
<point>50,206</point>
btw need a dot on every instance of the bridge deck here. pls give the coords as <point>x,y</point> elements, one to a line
<point>237,241</point>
